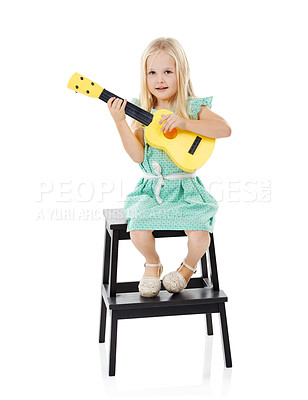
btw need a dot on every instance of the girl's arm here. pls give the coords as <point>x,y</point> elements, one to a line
<point>132,145</point>
<point>209,124</point>
<point>130,142</point>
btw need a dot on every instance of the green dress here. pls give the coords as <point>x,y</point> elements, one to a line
<point>185,205</point>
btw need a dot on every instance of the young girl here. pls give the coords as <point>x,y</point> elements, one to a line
<point>159,203</point>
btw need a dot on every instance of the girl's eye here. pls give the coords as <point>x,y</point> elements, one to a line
<point>150,73</point>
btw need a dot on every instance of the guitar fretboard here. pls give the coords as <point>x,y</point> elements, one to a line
<point>135,112</point>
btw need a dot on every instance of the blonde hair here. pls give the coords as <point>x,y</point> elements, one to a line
<point>146,98</point>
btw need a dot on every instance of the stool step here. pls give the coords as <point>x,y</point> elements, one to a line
<point>188,297</point>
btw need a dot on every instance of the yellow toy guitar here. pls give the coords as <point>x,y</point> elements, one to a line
<point>188,150</point>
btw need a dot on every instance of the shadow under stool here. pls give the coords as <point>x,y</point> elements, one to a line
<point>123,300</point>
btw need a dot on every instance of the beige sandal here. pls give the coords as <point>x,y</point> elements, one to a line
<point>174,282</point>
<point>149,286</point>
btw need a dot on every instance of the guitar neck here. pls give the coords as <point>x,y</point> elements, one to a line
<point>81,84</point>
<point>135,112</point>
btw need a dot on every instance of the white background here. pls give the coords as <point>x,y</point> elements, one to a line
<point>251,57</point>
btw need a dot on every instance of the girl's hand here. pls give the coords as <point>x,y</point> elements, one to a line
<point>117,108</point>
<point>172,121</point>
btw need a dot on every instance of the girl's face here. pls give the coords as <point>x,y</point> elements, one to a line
<point>161,73</point>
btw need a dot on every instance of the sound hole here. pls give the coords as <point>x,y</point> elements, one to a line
<point>172,134</point>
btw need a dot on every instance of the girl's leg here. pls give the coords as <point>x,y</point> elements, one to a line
<point>198,243</point>
<point>144,241</point>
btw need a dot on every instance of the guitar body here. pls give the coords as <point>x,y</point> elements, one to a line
<point>188,150</point>
<point>179,144</point>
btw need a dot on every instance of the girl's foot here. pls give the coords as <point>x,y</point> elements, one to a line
<point>187,273</point>
<point>177,280</point>
<point>150,284</point>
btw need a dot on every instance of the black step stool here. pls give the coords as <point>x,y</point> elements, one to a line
<point>123,300</point>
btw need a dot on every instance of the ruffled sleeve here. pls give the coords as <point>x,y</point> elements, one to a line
<point>195,103</point>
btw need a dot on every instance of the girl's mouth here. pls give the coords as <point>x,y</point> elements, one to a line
<point>162,88</point>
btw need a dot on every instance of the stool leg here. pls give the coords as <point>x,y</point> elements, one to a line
<point>213,264</point>
<point>209,324</point>
<point>225,334</point>
<point>105,280</point>
<point>102,328</point>
<point>114,263</point>
<point>106,266</point>
<point>113,343</point>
